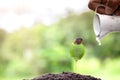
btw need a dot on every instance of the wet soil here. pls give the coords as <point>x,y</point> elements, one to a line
<point>65,76</point>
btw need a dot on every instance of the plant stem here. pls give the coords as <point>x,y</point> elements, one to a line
<point>75,66</point>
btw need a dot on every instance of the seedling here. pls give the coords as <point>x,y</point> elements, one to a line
<point>77,51</point>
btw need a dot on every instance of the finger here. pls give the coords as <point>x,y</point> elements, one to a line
<point>117,12</point>
<point>93,4</point>
<point>101,10</point>
<point>111,6</point>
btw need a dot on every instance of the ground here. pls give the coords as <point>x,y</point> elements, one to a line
<point>65,76</point>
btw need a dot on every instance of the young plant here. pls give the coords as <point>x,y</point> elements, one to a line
<point>77,49</point>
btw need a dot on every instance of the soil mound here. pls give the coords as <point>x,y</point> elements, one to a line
<point>65,76</point>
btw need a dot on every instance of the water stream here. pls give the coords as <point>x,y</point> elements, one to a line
<point>98,40</point>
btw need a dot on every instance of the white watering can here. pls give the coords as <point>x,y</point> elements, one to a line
<point>104,24</point>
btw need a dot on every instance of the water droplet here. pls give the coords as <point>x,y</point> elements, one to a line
<point>98,40</point>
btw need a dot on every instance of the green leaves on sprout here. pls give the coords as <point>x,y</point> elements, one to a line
<point>77,49</point>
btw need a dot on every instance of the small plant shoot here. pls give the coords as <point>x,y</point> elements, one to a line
<point>77,49</point>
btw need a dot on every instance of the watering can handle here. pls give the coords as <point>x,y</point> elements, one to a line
<point>95,12</point>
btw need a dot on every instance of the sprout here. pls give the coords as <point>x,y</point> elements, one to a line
<point>77,49</point>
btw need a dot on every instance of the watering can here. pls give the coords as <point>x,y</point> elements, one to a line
<point>104,24</point>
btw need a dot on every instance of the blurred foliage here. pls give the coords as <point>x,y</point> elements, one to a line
<point>2,35</point>
<point>3,61</point>
<point>42,49</point>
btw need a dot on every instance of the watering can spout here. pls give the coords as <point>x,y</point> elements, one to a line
<point>100,36</point>
<point>104,24</point>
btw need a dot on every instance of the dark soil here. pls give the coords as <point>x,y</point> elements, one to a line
<point>65,76</point>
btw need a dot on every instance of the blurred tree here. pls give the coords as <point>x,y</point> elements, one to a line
<point>53,53</point>
<point>2,36</point>
<point>3,61</point>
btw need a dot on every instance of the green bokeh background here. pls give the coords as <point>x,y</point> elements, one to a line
<point>30,52</point>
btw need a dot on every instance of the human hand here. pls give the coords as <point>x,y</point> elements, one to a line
<point>107,7</point>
